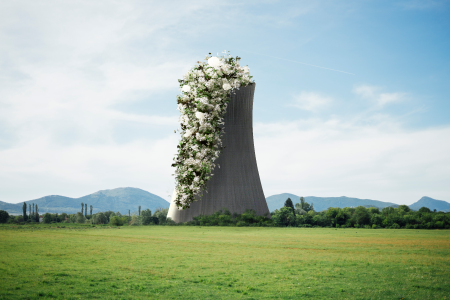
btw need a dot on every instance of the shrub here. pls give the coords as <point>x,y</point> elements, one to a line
<point>4,216</point>
<point>395,226</point>
<point>115,221</point>
<point>439,224</point>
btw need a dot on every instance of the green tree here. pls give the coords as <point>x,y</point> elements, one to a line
<point>37,213</point>
<point>116,221</point>
<point>82,207</point>
<point>283,217</point>
<point>99,218</point>
<point>303,205</point>
<point>139,210</point>
<point>80,218</point>
<point>424,209</point>
<point>91,207</point>
<point>289,204</point>
<point>361,216</point>
<point>47,218</point>
<point>85,210</point>
<point>403,209</point>
<point>331,215</point>
<point>4,216</point>
<point>24,210</point>
<point>161,216</point>
<point>146,216</point>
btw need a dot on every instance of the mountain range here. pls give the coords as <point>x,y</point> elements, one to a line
<point>323,203</point>
<point>120,199</point>
<point>124,199</point>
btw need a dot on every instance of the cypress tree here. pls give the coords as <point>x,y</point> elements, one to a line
<point>129,215</point>
<point>33,209</point>
<point>289,204</point>
<point>85,210</point>
<point>29,206</point>
<point>82,207</point>
<point>37,214</point>
<point>24,209</point>
<point>91,209</point>
<point>139,210</point>
<point>302,203</point>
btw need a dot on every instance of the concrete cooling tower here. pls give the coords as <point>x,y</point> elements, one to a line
<point>236,184</point>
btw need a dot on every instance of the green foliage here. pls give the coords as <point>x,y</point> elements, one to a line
<point>424,210</point>
<point>303,205</point>
<point>290,205</point>
<point>47,218</point>
<point>225,218</point>
<point>283,217</point>
<point>24,211</point>
<point>80,218</point>
<point>116,221</point>
<point>361,216</point>
<point>99,218</point>
<point>4,216</point>
<point>146,216</point>
<point>287,216</point>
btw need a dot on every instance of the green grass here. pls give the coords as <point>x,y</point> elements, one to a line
<point>158,262</point>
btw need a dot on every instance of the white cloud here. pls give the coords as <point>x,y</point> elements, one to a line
<point>65,67</point>
<point>337,158</point>
<point>78,170</point>
<point>311,101</point>
<point>373,94</point>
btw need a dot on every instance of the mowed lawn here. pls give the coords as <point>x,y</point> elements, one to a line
<point>164,262</point>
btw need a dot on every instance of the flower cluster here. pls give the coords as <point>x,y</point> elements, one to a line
<point>205,91</point>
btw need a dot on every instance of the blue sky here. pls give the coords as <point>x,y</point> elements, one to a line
<point>88,94</point>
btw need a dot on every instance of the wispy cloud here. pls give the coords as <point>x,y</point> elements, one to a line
<point>331,157</point>
<point>373,94</point>
<point>311,101</point>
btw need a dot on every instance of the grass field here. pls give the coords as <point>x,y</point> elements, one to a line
<point>163,262</point>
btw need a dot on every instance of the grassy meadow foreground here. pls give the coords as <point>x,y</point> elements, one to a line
<point>165,262</point>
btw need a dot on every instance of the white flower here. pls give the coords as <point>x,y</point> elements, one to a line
<point>200,115</point>
<point>210,84</point>
<point>188,133</point>
<point>186,88</point>
<point>246,69</point>
<point>214,62</point>
<point>226,86</point>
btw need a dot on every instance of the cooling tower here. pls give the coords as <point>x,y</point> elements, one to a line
<point>236,184</point>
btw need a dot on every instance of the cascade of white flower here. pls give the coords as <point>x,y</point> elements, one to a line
<point>202,103</point>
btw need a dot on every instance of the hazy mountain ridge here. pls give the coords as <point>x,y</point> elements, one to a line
<point>119,199</point>
<point>323,203</point>
<point>124,199</point>
<point>431,203</point>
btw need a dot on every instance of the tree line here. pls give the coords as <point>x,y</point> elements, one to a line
<point>301,214</point>
<point>144,217</point>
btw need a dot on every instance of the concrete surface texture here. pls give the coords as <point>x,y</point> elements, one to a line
<point>236,184</point>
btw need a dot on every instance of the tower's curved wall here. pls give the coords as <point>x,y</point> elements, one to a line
<point>236,184</point>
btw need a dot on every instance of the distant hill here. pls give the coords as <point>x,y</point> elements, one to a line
<point>432,204</point>
<point>120,199</point>
<point>323,203</point>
